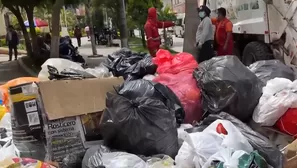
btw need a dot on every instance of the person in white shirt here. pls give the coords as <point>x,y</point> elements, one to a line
<point>87,30</point>
<point>204,35</point>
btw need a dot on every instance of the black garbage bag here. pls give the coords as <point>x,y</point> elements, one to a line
<point>142,125</point>
<point>227,85</point>
<point>260,143</point>
<point>143,67</point>
<point>130,65</point>
<point>144,88</point>
<point>269,69</point>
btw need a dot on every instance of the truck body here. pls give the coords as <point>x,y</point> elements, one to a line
<point>262,29</point>
<point>179,28</point>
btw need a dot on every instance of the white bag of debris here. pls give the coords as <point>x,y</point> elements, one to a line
<point>278,96</point>
<point>102,156</point>
<point>60,64</point>
<point>67,69</point>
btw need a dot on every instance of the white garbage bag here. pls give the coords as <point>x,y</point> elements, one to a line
<point>9,150</point>
<point>165,162</point>
<point>278,96</point>
<point>227,156</point>
<point>59,63</point>
<point>196,149</point>
<point>234,138</point>
<point>102,156</point>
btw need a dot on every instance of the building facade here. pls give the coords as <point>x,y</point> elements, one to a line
<point>179,6</point>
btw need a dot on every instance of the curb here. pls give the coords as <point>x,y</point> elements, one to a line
<point>26,68</point>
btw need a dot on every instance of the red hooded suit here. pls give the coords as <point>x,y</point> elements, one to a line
<point>151,31</point>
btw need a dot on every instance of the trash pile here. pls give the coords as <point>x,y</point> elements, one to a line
<point>136,111</point>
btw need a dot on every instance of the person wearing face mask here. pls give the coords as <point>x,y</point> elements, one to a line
<point>204,35</point>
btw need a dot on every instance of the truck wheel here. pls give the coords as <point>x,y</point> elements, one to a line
<point>256,51</point>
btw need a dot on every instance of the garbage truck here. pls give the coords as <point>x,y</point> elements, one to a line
<point>262,29</point>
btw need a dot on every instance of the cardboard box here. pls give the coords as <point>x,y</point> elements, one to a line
<point>72,111</point>
<point>290,152</point>
<point>65,113</point>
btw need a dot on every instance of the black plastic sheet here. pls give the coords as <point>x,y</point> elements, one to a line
<point>227,85</point>
<point>269,69</point>
<point>130,65</point>
<point>140,120</point>
<point>260,143</point>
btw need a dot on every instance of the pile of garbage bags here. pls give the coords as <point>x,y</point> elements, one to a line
<point>169,112</point>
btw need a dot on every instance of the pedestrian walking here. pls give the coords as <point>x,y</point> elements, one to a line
<point>87,30</point>
<point>223,35</point>
<point>151,30</point>
<point>12,40</point>
<point>78,35</point>
<point>204,35</point>
<point>96,34</point>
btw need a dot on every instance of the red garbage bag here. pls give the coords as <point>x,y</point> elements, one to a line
<point>174,64</point>
<point>288,122</point>
<point>185,88</point>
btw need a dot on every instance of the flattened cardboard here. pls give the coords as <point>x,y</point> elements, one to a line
<point>68,98</point>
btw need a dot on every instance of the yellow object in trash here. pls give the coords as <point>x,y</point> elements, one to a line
<point>2,111</point>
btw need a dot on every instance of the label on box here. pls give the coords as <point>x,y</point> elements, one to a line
<point>64,140</point>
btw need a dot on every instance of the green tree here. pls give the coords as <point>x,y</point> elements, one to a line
<point>137,11</point>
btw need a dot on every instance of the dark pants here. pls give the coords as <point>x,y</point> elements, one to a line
<point>206,52</point>
<point>78,41</point>
<point>96,39</point>
<point>15,50</point>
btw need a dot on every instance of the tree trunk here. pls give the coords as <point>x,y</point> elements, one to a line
<point>55,41</point>
<point>123,24</point>
<point>143,38</point>
<point>90,24</point>
<point>165,37</point>
<point>20,19</point>
<point>191,25</point>
<point>29,12</point>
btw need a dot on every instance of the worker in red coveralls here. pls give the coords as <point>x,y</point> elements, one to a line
<point>223,34</point>
<point>151,31</point>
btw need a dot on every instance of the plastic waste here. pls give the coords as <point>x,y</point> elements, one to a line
<point>107,159</point>
<point>8,151</point>
<point>60,64</point>
<point>227,158</point>
<point>227,85</point>
<point>149,77</point>
<point>269,69</point>
<point>187,92</point>
<point>130,65</point>
<point>144,125</point>
<point>278,96</point>
<point>16,162</point>
<point>288,122</point>
<point>232,139</point>
<point>143,88</point>
<point>168,63</point>
<point>264,146</point>
<point>197,148</point>
<point>164,162</point>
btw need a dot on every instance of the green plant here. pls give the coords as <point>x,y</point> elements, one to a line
<point>3,42</point>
